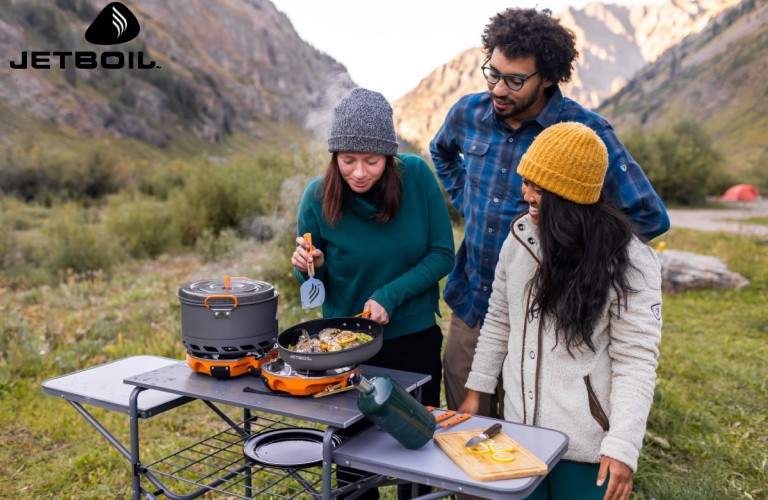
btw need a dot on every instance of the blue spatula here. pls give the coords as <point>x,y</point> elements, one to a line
<point>312,291</point>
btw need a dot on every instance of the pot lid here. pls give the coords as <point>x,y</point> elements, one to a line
<point>246,290</point>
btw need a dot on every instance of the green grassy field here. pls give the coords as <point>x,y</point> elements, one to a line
<point>707,435</point>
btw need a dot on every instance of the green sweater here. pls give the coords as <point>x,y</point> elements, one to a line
<point>398,264</point>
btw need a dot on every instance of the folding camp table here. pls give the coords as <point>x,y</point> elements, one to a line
<point>146,386</point>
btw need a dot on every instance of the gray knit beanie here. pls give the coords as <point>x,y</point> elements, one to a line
<point>362,123</point>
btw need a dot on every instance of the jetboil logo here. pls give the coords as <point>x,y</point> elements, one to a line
<point>114,25</point>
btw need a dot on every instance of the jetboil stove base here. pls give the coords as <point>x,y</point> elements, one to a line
<point>229,368</point>
<point>280,376</point>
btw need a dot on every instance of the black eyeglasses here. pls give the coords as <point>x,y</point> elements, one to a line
<point>512,81</point>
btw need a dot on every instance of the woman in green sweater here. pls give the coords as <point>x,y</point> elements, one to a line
<point>381,235</point>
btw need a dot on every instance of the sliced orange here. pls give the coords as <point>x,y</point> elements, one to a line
<point>502,447</point>
<point>478,448</point>
<point>503,456</point>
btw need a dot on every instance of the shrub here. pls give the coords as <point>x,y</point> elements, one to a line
<point>77,245</point>
<point>758,174</point>
<point>212,247</point>
<point>218,196</point>
<point>141,226</point>
<point>680,162</point>
<point>8,244</point>
<point>39,172</point>
<point>161,181</point>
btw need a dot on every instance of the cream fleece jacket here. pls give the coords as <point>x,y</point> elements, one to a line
<point>600,399</point>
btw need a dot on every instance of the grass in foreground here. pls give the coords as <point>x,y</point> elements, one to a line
<point>707,434</point>
<point>763,221</point>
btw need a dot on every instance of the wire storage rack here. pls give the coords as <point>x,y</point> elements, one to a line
<point>218,463</point>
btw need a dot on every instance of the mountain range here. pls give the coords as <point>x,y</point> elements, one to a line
<point>717,78</point>
<point>222,66</point>
<point>614,41</point>
<point>230,67</point>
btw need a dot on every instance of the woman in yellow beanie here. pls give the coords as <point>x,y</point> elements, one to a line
<point>574,322</point>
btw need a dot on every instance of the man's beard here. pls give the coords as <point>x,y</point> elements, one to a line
<point>517,110</point>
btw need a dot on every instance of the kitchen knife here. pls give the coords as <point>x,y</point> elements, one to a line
<point>486,434</point>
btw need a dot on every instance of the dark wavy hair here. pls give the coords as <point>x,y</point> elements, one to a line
<point>387,193</point>
<point>584,251</point>
<point>520,32</point>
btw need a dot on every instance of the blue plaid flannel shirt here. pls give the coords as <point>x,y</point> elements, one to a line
<point>476,157</point>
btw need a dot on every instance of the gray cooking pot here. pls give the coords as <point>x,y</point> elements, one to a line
<point>228,318</point>
<point>320,361</point>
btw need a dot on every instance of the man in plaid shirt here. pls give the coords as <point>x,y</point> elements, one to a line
<point>476,153</point>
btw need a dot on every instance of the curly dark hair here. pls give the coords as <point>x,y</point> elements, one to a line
<point>520,32</point>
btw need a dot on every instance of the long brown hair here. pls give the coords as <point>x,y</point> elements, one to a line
<point>584,255</point>
<point>386,194</point>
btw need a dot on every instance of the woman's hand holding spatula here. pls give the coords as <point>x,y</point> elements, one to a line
<point>312,291</point>
<point>301,256</point>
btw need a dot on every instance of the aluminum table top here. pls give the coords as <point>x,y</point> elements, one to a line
<point>374,450</point>
<point>337,410</point>
<point>103,386</point>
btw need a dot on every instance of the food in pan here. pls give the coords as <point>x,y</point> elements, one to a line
<point>329,340</point>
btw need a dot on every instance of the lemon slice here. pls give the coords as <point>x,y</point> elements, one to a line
<point>479,448</point>
<point>503,456</point>
<point>501,447</point>
<point>345,337</point>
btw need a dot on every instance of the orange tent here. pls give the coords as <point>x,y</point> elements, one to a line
<point>741,192</point>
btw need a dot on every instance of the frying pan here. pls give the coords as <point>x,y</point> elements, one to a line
<point>290,448</point>
<point>321,361</point>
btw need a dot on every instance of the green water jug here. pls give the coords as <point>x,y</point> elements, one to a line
<point>394,410</point>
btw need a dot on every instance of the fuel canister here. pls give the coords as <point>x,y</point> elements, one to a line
<point>391,408</point>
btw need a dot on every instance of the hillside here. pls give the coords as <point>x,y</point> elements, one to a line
<point>614,41</point>
<point>222,67</point>
<point>717,78</point>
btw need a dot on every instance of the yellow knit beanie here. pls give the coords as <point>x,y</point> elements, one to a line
<point>567,159</point>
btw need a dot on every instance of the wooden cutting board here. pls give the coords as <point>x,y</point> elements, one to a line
<point>482,467</point>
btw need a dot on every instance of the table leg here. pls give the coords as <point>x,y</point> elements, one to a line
<point>102,430</point>
<point>327,462</point>
<point>134,425</point>
<point>248,475</point>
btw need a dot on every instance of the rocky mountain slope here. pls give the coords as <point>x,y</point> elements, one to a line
<point>224,66</point>
<point>717,78</point>
<point>614,41</point>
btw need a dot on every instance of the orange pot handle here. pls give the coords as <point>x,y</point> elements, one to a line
<point>227,280</point>
<point>234,299</point>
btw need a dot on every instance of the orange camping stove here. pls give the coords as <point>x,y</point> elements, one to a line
<point>229,368</point>
<point>280,376</point>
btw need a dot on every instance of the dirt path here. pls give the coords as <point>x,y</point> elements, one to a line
<point>728,220</point>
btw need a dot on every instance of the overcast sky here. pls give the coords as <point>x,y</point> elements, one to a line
<point>390,45</point>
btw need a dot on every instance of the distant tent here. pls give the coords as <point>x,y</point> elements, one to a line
<point>741,192</point>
